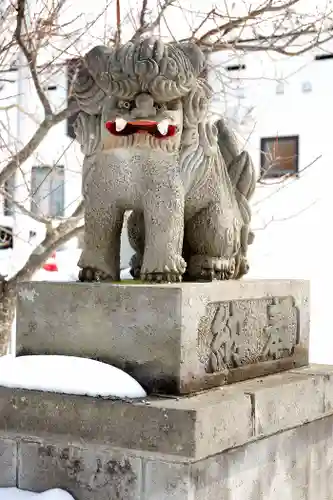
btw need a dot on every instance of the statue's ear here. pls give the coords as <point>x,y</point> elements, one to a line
<point>92,80</point>
<point>97,63</point>
<point>195,55</point>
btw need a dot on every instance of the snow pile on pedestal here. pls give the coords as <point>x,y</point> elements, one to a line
<point>68,375</point>
<point>15,494</point>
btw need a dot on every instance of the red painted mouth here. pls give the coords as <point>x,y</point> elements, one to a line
<point>141,127</point>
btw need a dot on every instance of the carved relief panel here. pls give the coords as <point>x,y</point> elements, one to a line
<point>243,332</point>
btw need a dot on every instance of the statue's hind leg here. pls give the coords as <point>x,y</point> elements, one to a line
<point>136,238</point>
<point>213,239</point>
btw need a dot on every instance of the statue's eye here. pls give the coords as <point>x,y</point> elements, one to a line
<point>124,104</point>
<point>158,106</point>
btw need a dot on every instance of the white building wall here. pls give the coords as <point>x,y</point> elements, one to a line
<point>292,219</point>
<point>18,126</point>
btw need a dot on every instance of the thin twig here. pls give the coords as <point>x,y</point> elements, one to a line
<point>239,21</point>
<point>31,59</point>
<point>142,17</point>
<point>150,27</point>
<point>25,211</point>
<point>284,219</point>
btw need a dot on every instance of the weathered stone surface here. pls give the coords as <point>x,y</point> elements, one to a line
<point>247,331</point>
<point>76,442</point>
<point>171,338</point>
<point>326,372</point>
<point>285,400</point>
<point>186,428</point>
<point>125,425</point>
<point>166,481</point>
<point>8,461</point>
<point>223,418</point>
<point>87,473</point>
<point>295,464</point>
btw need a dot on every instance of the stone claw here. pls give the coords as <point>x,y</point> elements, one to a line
<point>166,277</point>
<point>170,271</point>
<point>243,268</point>
<point>90,274</point>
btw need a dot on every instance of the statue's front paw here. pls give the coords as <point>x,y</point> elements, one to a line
<point>90,274</point>
<point>169,271</point>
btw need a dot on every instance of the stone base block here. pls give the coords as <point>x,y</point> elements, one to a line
<point>295,464</point>
<point>258,439</point>
<point>174,339</point>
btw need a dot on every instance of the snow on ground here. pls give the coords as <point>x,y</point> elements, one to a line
<point>15,494</point>
<point>67,375</point>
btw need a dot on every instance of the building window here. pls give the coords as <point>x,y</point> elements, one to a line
<point>279,157</point>
<point>48,191</point>
<point>72,65</point>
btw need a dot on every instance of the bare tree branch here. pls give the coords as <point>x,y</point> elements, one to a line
<point>150,27</point>
<point>264,44</point>
<point>226,28</point>
<point>34,142</point>
<point>31,57</point>
<point>143,14</point>
<point>284,219</point>
<point>50,244</point>
<point>44,220</point>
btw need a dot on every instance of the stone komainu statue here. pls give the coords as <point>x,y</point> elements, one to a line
<point>149,147</point>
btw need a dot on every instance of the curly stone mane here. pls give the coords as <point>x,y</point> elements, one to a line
<point>165,71</point>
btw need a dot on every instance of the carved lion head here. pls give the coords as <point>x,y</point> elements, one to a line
<point>145,94</point>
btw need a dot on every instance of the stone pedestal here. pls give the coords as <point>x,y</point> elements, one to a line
<point>244,436</point>
<point>174,339</point>
<point>257,439</point>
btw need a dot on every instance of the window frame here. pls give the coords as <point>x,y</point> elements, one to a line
<point>264,174</point>
<point>52,169</point>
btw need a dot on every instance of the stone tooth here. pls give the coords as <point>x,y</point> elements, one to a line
<point>163,127</point>
<point>120,124</point>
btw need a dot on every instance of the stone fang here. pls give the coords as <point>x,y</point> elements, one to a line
<point>163,127</point>
<point>120,124</point>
